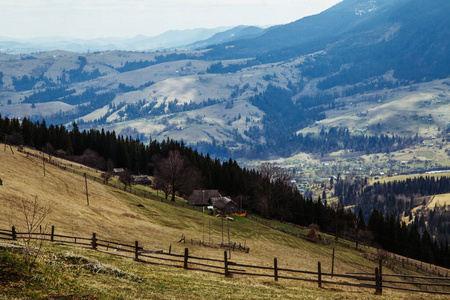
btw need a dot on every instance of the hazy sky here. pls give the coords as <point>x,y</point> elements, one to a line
<point>128,18</point>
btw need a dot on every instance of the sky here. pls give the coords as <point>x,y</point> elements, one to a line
<point>88,19</point>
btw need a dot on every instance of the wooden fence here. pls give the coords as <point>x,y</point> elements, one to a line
<point>393,261</point>
<point>81,170</point>
<point>376,280</point>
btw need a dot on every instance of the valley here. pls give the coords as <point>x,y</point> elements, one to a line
<point>337,122</point>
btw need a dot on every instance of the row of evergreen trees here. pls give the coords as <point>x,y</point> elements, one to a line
<point>243,185</point>
<point>395,236</point>
<point>397,199</point>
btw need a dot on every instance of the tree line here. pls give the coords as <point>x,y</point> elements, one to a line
<point>396,197</point>
<point>104,150</point>
<point>388,206</point>
<point>266,191</point>
<point>408,240</point>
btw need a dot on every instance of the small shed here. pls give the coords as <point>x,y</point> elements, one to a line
<point>224,205</point>
<point>142,180</point>
<point>202,197</point>
<point>118,171</point>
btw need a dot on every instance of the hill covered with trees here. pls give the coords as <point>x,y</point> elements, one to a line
<point>265,191</point>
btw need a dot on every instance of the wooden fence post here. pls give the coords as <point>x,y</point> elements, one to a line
<point>275,268</point>
<point>186,255</point>
<point>225,259</point>
<point>319,274</point>
<point>332,264</point>
<point>170,248</point>
<point>136,251</point>
<point>52,235</point>
<point>94,241</point>
<point>377,282</point>
<point>87,194</point>
<point>13,232</point>
<point>380,275</point>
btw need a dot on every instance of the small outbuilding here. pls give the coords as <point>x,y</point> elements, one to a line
<point>142,180</point>
<point>118,171</point>
<point>224,205</point>
<point>202,197</point>
<point>208,198</point>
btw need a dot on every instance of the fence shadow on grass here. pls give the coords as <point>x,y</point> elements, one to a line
<point>373,281</point>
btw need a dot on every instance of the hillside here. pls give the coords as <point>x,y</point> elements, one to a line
<point>115,214</point>
<point>370,66</point>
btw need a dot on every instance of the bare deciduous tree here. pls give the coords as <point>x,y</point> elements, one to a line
<point>106,176</point>
<point>174,174</point>
<point>49,150</point>
<point>270,174</point>
<point>29,215</point>
<point>91,159</point>
<point>162,185</point>
<point>126,178</point>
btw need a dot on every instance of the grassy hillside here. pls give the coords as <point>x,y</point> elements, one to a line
<point>113,214</point>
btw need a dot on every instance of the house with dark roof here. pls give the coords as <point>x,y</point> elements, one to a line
<point>213,198</point>
<point>202,197</point>
<point>224,205</point>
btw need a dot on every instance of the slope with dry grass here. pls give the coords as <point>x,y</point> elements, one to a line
<point>117,215</point>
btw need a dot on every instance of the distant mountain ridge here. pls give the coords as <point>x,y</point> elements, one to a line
<point>166,40</point>
<point>233,34</point>
<point>373,66</point>
<point>409,36</point>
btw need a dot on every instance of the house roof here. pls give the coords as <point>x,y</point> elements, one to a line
<point>221,202</point>
<point>142,179</point>
<point>201,197</point>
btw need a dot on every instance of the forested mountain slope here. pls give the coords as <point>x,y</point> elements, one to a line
<point>372,67</point>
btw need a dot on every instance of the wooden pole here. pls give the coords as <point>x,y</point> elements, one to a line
<point>52,234</point>
<point>87,194</point>
<point>225,258</point>
<point>319,274</point>
<point>136,250</point>
<point>332,264</point>
<point>170,248</point>
<point>94,241</point>
<point>275,268</point>
<point>186,255</point>
<point>229,242</point>
<point>377,282</point>
<point>380,274</point>
<point>43,163</point>
<point>13,233</point>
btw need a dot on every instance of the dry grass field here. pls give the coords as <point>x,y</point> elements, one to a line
<point>115,215</point>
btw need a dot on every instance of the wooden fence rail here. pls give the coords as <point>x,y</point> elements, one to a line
<point>230,268</point>
<point>81,170</point>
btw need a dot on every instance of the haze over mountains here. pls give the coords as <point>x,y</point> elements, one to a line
<point>373,66</point>
<point>167,40</point>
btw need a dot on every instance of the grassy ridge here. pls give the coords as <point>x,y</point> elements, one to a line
<point>121,216</point>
